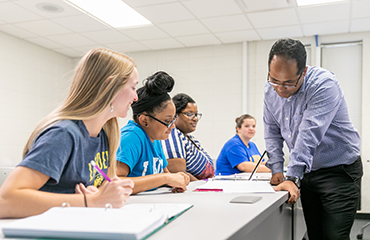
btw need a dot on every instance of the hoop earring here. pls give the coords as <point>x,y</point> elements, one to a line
<point>111,107</point>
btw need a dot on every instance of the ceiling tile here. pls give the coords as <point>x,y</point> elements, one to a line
<point>280,32</point>
<point>69,52</point>
<point>238,36</point>
<point>212,8</point>
<point>144,33</point>
<point>325,28</point>
<point>162,43</point>
<point>81,23</point>
<point>12,13</point>
<point>107,36</point>
<point>87,48</point>
<point>253,5</point>
<point>16,31</point>
<point>227,23</point>
<point>140,3</point>
<point>198,40</point>
<point>360,9</point>
<point>184,28</point>
<point>325,13</point>
<point>360,25</point>
<point>276,18</point>
<point>43,27</point>
<point>46,43</point>
<point>71,40</point>
<point>38,7</point>
<point>127,47</point>
<point>170,12</point>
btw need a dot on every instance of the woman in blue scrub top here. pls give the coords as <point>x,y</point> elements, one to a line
<point>239,154</point>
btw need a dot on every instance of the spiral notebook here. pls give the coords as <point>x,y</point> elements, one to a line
<point>133,221</point>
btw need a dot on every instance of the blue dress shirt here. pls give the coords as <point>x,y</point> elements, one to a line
<point>314,123</point>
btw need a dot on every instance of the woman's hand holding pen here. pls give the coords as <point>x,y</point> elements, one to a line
<point>179,181</point>
<point>115,192</point>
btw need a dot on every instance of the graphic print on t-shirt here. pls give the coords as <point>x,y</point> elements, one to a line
<point>157,165</point>
<point>102,161</point>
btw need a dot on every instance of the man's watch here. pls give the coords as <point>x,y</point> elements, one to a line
<point>296,180</point>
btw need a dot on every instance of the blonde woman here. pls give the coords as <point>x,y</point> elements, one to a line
<point>56,159</point>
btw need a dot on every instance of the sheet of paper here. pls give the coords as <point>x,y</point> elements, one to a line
<point>238,186</point>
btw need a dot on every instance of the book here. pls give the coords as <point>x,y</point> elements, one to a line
<point>133,221</point>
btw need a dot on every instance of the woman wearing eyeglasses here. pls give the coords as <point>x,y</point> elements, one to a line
<point>239,154</point>
<point>140,155</point>
<point>183,151</point>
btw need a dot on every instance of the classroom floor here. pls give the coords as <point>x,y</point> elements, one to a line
<point>357,227</point>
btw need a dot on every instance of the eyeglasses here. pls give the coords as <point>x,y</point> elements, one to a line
<point>275,84</point>
<point>191,116</point>
<point>168,125</point>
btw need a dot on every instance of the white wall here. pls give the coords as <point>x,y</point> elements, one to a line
<point>211,75</point>
<point>32,81</point>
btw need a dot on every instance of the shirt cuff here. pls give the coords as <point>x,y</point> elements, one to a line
<point>295,171</point>
<point>276,167</point>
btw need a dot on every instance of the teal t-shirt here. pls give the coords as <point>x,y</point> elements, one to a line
<point>233,153</point>
<point>139,153</point>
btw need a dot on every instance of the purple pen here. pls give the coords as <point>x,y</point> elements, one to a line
<point>99,170</point>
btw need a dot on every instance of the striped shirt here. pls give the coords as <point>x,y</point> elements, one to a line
<point>198,162</point>
<point>314,123</point>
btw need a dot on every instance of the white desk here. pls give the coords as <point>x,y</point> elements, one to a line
<point>214,217</point>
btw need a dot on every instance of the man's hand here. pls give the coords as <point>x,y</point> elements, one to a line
<point>291,188</point>
<point>277,178</point>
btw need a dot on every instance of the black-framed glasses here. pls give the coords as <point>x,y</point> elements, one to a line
<point>191,116</point>
<point>275,84</point>
<point>168,125</point>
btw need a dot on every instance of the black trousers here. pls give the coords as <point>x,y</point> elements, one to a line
<point>329,198</point>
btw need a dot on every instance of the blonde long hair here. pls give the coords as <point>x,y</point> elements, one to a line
<point>98,78</point>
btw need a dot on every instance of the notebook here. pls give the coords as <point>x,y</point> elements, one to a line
<point>133,221</point>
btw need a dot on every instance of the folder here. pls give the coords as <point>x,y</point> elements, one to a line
<point>133,221</point>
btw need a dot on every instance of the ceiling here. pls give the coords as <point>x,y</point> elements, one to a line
<point>178,23</point>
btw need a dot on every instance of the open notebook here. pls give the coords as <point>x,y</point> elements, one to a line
<point>133,221</point>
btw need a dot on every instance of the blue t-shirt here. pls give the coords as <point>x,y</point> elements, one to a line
<point>233,153</point>
<point>139,153</point>
<point>63,152</point>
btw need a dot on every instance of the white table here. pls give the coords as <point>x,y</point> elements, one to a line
<point>214,217</point>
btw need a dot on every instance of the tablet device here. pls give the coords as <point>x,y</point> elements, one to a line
<point>258,163</point>
<point>246,199</point>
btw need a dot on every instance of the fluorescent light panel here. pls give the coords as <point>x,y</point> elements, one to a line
<point>301,3</point>
<point>115,13</point>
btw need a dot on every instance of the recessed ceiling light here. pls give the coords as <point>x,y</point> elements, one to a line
<point>115,13</point>
<point>49,7</point>
<point>301,3</point>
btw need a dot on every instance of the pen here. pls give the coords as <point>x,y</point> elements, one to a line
<point>99,170</point>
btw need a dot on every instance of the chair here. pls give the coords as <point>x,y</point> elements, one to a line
<point>4,172</point>
<point>360,235</point>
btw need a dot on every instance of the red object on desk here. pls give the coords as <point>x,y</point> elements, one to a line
<point>207,190</point>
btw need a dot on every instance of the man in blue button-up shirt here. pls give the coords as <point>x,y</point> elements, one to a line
<point>305,107</point>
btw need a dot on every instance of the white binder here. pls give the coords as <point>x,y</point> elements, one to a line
<point>133,221</point>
